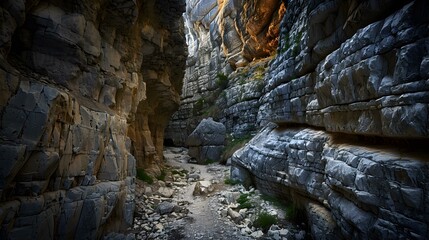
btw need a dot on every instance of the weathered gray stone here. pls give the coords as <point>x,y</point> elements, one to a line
<point>207,141</point>
<point>208,132</point>
<point>73,107</point>
<point>235,216</point>
<point>347,181</point>
<point>165,208</point>
<point>165,192</point>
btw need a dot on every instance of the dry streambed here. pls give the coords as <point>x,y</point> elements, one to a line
<point>192,201</point>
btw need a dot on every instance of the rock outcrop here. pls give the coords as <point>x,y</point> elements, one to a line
<point>207,141</point>
<point>86,91</point>
<point>359,191</point>
<point>345,106</point>
<point>223,36</point>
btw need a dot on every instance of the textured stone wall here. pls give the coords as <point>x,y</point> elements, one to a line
<point>346,108</point>
<point>223,36</point>
<point>87,88</point>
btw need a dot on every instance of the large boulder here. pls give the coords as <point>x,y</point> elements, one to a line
<point>207,141</point>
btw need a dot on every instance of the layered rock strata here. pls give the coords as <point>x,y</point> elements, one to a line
<point>86,91</point>
<point>348,92</point>
<point>349,189</point>
<point>223,36</point>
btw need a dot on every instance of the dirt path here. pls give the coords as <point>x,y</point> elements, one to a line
<point>203,220</point>
<point>169,209</point>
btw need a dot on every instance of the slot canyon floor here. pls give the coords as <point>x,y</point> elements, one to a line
<point>193,202</point>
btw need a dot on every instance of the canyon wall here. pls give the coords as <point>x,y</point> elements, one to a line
<point>87,88</point>
<point>345,110</point>
<point>223,36</point>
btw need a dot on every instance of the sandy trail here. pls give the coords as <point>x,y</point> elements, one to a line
<point>203,221</point>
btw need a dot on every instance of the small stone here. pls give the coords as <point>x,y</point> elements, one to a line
<point>257,234</point>
<point>180,184</point>
<point>159,227</point>
<point>194,176</point>
<point>224,212</point>
<point>283,232</point>
<point>300,235</point>
<point>165,207</point>
<point>235,216</point>
<point>243,211</point>
<point>165,192</point>
<point>148,191</point>
<point>203,187</point>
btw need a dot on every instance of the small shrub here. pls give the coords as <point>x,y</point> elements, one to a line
<point>244,201</point>
<point>209,161</point>
<point>162,175</point>
<point>264,221</point>
<point>142,175</point>
<point>291,212</point>
<point>222,81</point>
<point>198,106</point>
<point>275,201</point>
<point>230,181</point>
<point>243,198</point>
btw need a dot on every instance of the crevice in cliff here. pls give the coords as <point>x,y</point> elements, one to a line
<point>413,147</point>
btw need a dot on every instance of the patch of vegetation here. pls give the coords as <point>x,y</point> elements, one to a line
<point>142,175</point>
<point>198,106</point>
<point>209,161</point>
<point>294,213</point>
<point>230,181</point>
<point>259,72</point>
<point>182,172</point>
<point>286,43</point>
<point>222,81</point>
<point>162,175</point>
<point>275,201</point>
<point>244,201</point>
<point>264,221</point>
<point>295,43</point>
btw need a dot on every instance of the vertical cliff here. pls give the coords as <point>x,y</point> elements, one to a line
<point>345,110</point>
<point>224,36</point>
<point>87,88</point>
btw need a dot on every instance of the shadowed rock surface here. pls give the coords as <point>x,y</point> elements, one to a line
<point>223,36</point>
<point>87,88</point>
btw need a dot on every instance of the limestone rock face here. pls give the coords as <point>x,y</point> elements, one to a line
<point>207,141</point>
<point>86,89</point>
<point>348,190</point>
<point>360,74</point>
<point>223,36</point>
<point>345,105</point>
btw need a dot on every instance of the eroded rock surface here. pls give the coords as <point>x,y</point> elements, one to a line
<point>223,36</point>
<point>348,93</point>
<point>87,89</point>
<point>347,188</point>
